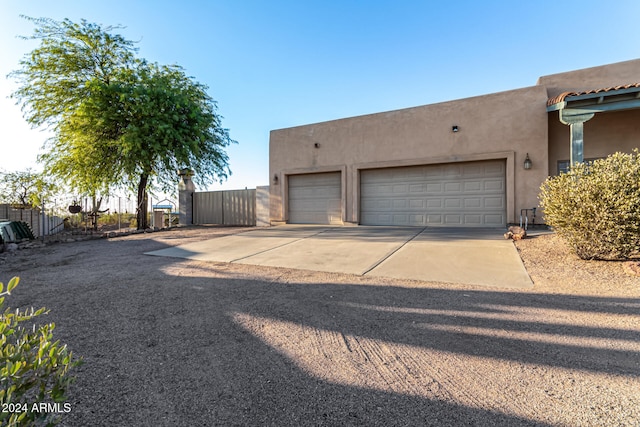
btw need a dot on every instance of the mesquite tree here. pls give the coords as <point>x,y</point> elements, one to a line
<point>117,120</point>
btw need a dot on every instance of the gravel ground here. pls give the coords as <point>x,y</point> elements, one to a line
<point>173,342</point>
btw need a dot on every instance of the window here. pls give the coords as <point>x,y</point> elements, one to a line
<point>563,165</point>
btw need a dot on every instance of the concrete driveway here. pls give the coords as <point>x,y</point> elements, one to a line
<point>456,255</point>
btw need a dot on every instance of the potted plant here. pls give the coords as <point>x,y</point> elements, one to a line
<point>75,208</point>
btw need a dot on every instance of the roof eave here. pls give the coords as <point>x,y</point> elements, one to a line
<point>599,100</point>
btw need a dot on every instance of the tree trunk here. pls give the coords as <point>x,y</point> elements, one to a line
<point>141,213</point>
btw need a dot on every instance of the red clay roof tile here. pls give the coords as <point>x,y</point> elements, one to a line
<point>562,96</point>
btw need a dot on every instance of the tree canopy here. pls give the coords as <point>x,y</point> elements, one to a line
<point>25,188</point>
<point>118,120</point>
<point>56,77</point>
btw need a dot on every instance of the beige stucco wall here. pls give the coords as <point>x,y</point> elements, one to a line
<point>504,125</point>
<point>600,77</point>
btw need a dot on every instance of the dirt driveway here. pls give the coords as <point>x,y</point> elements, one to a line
<point>190,343</point>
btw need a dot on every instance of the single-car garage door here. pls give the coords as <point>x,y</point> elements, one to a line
<point>451,194</point>
<point>315,198</point>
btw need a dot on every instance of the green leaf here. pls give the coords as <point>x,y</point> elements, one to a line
<point>12,284</point>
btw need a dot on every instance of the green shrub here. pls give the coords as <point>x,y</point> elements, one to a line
<point>34,370</point>
<point>595,207</point>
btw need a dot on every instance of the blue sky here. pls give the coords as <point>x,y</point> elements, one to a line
<point>276,64</point>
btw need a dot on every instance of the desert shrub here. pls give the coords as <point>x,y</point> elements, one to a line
<point>34,370</point>
<point>595,207</point>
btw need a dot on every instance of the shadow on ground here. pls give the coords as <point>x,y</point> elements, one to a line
<point>165,345</point>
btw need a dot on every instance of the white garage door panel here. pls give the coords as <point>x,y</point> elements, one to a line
<point>315,198</point>
<point>459,194</point>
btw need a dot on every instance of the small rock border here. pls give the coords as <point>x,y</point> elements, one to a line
<point>72,237</point>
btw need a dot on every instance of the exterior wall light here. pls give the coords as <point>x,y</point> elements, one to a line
<point>275,179</point>
<point>454,128</point>
<point>527,162</point>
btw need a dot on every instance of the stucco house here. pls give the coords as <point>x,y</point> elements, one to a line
<point>471,162</point>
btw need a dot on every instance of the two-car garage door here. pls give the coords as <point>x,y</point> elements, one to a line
<point>452,194</point>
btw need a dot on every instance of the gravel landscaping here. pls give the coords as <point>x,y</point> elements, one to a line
<point>174,342</point>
